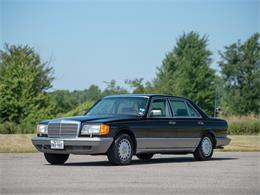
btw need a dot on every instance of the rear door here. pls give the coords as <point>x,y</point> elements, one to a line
<point>188,123</point>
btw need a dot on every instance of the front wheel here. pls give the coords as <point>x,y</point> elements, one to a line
<point>205,149</point>
<point>56,159</point>
<point>121,151</point>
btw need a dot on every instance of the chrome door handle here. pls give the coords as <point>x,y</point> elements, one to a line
<point>200,123</point>
<point>172,122</point>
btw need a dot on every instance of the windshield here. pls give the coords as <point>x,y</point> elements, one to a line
<point>120,106</point>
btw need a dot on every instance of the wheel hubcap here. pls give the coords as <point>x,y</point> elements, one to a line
<point>206,145</point>
<point>124,149</point>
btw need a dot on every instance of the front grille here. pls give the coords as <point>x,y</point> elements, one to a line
<point>63,129</point>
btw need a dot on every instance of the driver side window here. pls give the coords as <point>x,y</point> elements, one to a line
<point>159,108</point>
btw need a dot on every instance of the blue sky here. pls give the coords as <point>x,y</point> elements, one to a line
<point>89,42</point>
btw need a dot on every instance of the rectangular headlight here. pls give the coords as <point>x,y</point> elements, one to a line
<point>95,129</point>
<point>42,129</point>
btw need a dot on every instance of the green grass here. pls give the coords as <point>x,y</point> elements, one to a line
<point>21,143</point>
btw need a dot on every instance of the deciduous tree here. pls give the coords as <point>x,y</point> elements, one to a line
<point>24,79</point>
<point>240,67</point>
<point>186,71</point>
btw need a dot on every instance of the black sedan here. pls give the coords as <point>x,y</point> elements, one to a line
<point>125,125</point>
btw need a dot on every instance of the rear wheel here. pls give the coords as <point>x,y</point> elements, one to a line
<point>56,159</point>
<point>144,156</point>
<point>121,151</point>
<point>205,149</point>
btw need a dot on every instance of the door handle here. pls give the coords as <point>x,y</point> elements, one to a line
<point>200,123</point>
<point>172,122</point>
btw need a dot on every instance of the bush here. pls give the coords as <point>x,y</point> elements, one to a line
<point>244,128</point>
<point>243,125</point>
<point>8,128</point>
<point>13,128</point>
<point>28,125</point>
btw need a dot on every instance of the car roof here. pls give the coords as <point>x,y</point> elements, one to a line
<point>144,95</point>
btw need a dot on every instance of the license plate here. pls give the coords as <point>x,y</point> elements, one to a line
<point>57,144</point>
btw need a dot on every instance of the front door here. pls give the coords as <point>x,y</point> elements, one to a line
<point>162,133</point>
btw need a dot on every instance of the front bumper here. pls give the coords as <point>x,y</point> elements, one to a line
<point>93,145</point>
<point>222,141</point>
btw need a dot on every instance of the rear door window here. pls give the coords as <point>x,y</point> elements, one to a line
<point>179,108</point>
<point>182,109</point>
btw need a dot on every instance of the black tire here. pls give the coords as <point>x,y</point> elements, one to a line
<point>200,153</point>
<point>56,159</point>
<point>144,156</point>
<point>119,154</point>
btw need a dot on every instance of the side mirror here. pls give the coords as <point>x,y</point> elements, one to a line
<point>155,113</point>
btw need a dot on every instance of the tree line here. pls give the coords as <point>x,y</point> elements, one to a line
<point>25,81</point>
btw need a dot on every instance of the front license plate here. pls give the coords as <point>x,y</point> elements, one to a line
<point>57,144</point>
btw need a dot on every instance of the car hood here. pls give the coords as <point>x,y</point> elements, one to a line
<point>94,119</point>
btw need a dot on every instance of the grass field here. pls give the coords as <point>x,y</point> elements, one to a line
<point>243,143</point>
<point>14,143</point>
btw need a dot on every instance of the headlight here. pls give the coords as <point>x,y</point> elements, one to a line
<point>95,129</point>
<point>42,129</point>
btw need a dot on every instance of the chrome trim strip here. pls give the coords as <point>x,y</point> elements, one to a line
<point>165,150</point>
